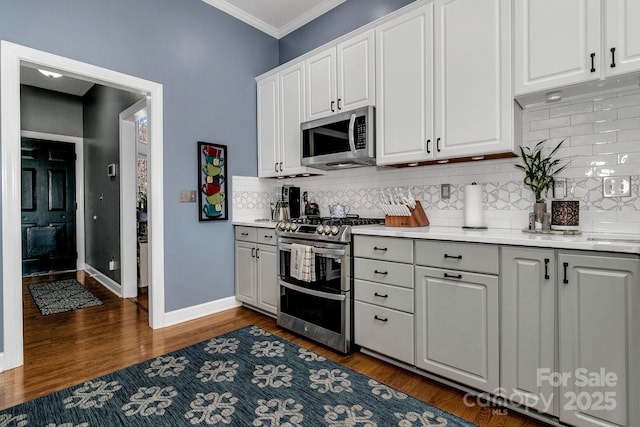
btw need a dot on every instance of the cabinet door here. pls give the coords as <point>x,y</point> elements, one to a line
<point>267,277</point>
<point>321,84</point>
<point>404,88</point>
<point>456,330</point>
<point>245,269</point>
<point>528,325</point>
<point>554,41</point>
<point>268,142</point>
<point>356,82</point>
<point>291,115</point>
<point>473,107</point>
<point>622,33</point>
<point>598,313</point>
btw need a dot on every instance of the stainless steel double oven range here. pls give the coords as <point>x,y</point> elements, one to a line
<point>321,309</point>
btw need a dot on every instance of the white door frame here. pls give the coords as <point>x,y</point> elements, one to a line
<point>78,143</point>
<point>128,186</point>
<point>12,56</point>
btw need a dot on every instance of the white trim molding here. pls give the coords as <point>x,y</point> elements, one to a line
<point>104,280</point>
<point>269,29</point>
<point>12,56</point>
<point>195,312</point>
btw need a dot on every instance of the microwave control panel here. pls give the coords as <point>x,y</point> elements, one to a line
<point>360,133</point>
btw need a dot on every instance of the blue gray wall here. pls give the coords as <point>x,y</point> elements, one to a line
<point>50,112</point>
<point>101,112</point>
<point>206,62</point>
<point>341,20</point>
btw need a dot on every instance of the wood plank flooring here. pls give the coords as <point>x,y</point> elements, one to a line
<point>65,349</point>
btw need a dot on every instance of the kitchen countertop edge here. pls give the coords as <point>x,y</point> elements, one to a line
<point>252,223</point>
<point>504,237</point>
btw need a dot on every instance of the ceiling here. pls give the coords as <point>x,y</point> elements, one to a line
<point>275,17</point>
<point>30,76</point>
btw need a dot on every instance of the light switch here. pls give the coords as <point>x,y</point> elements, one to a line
<point>187,196</point>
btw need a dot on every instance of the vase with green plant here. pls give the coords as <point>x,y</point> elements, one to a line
<point>539,169</point>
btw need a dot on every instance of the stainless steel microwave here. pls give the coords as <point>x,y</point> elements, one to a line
<point>339,141</point>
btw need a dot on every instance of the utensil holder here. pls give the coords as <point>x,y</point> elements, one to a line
<point>417,218</point>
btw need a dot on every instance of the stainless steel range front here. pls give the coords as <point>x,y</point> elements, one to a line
<point>317,303</point>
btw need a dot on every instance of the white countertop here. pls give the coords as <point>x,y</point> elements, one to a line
<point>624,243</point>
<point>255,223</point>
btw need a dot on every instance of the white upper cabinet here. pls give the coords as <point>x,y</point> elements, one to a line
<point>622,36</point>
<point>268,127</point>
<point>444,82</point>
<point>341,78</point>
<point>280,112</point>
<point>404,88</point>
<point>473,101</point>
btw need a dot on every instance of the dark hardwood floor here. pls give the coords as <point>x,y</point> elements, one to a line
<point>65,349</point>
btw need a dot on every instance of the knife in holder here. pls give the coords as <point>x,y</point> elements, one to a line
<point>418,218</point>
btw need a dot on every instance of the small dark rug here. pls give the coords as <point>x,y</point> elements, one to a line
<point>247,377</point>
<point>61,296</point>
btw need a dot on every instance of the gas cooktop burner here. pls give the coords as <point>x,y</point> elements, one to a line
<point>323,228</point>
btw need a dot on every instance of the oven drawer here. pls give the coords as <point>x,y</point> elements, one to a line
<point>384,295</point>
<point>385,331</point>
<point>266,236</point>
<point>482,258</point>
<point>391,273</point>
<point>247,234</point>
<point>383,248</point>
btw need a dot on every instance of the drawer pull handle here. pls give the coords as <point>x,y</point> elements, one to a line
<point>375,248</point>
<point>266,236</point>
<point>380,295</point>
<point>253,252</point>
<point>453,256</point>
<point>453,276</point>
<point>381,272</point>
<point>593,65</point>
<point>382,319</point>
<point>565,265</point>
<point>244,234</point>
<point>546,269</point>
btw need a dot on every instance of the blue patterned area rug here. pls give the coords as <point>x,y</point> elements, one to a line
<point>61,296</point>
<point>247,377</point>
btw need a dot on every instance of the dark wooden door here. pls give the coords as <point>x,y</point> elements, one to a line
<point>48,206</point>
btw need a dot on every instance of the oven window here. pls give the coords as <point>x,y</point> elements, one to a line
<point>319,311</point>
<point>328,273</point>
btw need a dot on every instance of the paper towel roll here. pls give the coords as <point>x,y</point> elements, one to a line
<point>473,216</point>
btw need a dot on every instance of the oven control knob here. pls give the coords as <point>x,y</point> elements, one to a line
<point>294,227</point>
<point>281,226</point>
<point>334,230</point>
<point>327,229</point>
<point>287,226</point>
<point>320,229</point>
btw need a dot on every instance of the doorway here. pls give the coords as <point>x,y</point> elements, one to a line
<point>48,206</point>
<point>12,57</point>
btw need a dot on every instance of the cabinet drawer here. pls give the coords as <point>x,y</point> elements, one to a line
<point>384,295</point>
<point>384,248</point>
<point>391,273</point>
<point>266,236</point>
<point>385,331</point>
<point>482,258</point>
<point>247,234</point>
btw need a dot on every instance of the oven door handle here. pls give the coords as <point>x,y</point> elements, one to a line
<point>319,294</point>
<point>319,251</point>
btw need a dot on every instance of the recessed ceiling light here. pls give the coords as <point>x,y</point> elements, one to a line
<point>50,74</point>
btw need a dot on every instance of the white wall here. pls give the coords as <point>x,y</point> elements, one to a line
<point>602,139</point>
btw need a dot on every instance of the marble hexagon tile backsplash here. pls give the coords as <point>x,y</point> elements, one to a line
<point>602,138</point>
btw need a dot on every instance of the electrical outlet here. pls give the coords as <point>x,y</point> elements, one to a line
<point>616,186</point>
<point>445,191</point>
<point>113,264</point>
<point>187,196</point>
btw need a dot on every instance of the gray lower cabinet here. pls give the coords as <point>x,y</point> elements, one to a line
<point>599,339</point>
<point>383,294</point>
<point>456,317</point>
<point>256,277</point>
<point>528,326</point>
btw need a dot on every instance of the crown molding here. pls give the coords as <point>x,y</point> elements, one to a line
<point>277,33</point>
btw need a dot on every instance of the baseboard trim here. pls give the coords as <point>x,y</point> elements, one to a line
<point>2,365</point>
<point>104,280</point>
<point>190,313</point>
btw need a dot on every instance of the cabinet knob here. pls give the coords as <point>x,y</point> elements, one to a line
<point>380,295</point>
<point>375,248</point>
<point>384,273</point>
<point>382,319</point>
